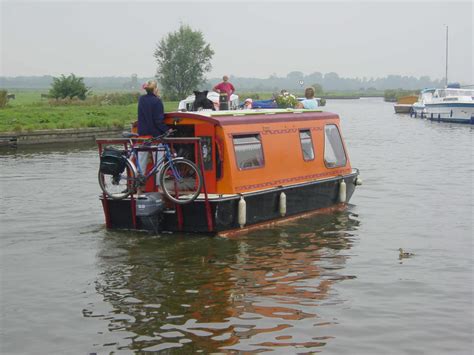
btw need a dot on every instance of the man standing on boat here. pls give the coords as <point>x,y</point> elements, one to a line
<point>225,87</point>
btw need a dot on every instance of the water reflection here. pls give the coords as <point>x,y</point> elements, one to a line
<point>257,293</point>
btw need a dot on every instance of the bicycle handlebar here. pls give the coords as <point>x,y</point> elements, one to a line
<point>152,139</point>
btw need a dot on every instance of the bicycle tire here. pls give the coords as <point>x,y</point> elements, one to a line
<point>112,187</point>
<point>186,187</point>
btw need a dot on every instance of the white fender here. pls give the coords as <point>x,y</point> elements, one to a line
<point>282,204</point>
<point>358,181</point>
<point>242,215</point>
<point>342,191</point>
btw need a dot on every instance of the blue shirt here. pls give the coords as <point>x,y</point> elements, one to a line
<point>310,104</point>
<point>150,116</point>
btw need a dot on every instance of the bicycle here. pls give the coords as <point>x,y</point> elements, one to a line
<point>120,174</point>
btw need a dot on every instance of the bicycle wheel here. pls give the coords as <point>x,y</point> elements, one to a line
<point>118,187</point>
<point>180,181</point>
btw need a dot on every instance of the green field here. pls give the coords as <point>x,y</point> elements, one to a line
<point>29,112</point>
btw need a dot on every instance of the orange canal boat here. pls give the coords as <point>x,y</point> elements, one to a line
<point>257,167</point>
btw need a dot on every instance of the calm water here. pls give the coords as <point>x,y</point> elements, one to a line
<point>330,284</point>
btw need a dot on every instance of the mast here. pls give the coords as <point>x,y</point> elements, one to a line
<point>446,56</point>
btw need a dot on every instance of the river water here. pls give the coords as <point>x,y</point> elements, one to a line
<point>332,283</point>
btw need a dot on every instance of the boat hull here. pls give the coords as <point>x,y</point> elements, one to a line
<point>261,207</point>
<point>402,108</point>
<point>454,112</point>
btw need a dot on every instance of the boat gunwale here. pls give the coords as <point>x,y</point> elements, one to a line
<point>228,197</point>
<point>354,172</point>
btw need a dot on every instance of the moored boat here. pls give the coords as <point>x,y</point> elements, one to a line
<point>418,108</point>
<point>451,104</point>
<point>258,166</point>
<point>404,104</point>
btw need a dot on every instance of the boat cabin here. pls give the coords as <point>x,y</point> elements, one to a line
<point>257,150</point>
<point>258,166</point>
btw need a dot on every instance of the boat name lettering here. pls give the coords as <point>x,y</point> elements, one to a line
<point>281,131</point>
<point>293,179</point>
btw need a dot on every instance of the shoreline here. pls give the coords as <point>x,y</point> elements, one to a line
<point>55,136</point>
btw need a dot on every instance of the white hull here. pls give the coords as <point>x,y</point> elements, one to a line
<point>448,105</point>
<point>459,112</point>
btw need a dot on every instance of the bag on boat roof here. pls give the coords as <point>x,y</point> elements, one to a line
<point>112,161</point>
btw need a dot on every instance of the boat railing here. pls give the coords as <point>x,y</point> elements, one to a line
<point>154,146</point>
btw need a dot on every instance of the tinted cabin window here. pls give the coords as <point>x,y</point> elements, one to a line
<point>206,146</point>
<point>248,151</point>
<point>218,163</point>
<point>306,144</point>
<point>334,155</point>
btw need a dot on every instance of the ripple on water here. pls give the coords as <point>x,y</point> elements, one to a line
<point>244,301</point>
<point>332,283</point>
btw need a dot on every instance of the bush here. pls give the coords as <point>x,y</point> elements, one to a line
<point>68,87</point>
<point>3,98</point>
<point>68,102</point>
<point>128,98</point>
<point>394,95</point>
<point>120,99</point>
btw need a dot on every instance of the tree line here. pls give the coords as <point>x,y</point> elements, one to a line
<point>183,58</point>
<point>328,82</point>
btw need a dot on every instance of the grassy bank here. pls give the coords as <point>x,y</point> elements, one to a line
<point>395,95</point>
<point>29,112</point>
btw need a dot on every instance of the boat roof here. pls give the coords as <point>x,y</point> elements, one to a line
<point>233,117</point>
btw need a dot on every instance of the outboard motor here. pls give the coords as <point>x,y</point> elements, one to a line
<point>150,206</point>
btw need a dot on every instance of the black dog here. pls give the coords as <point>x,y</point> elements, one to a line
<point>201,101</point>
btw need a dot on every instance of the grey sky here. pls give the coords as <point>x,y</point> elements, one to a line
<point>252,39</point>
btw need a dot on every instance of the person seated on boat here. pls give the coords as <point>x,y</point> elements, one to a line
<point>215,102</point>
<point>151,114</point>
<point>309,102</point>
<point>248,104</point>
<point>225,87</point>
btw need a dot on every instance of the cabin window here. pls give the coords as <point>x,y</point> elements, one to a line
<point>218,160</point>
<point>306,144</point>
<point>248,151</point>
<point>334,154</point>
<point>206,146</point>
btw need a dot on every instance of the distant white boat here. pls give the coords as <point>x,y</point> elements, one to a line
<point>451,104</point>
<point>418,108</point>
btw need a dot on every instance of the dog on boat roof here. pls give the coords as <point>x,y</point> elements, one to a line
<point>201,102</point>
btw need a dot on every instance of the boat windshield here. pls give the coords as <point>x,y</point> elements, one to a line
<point>455,92</point>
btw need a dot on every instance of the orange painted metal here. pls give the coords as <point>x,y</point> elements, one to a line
<point>279,133</point>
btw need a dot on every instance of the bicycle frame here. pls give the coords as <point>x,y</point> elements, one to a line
<point>157,164</point>
<point>127,144</point>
